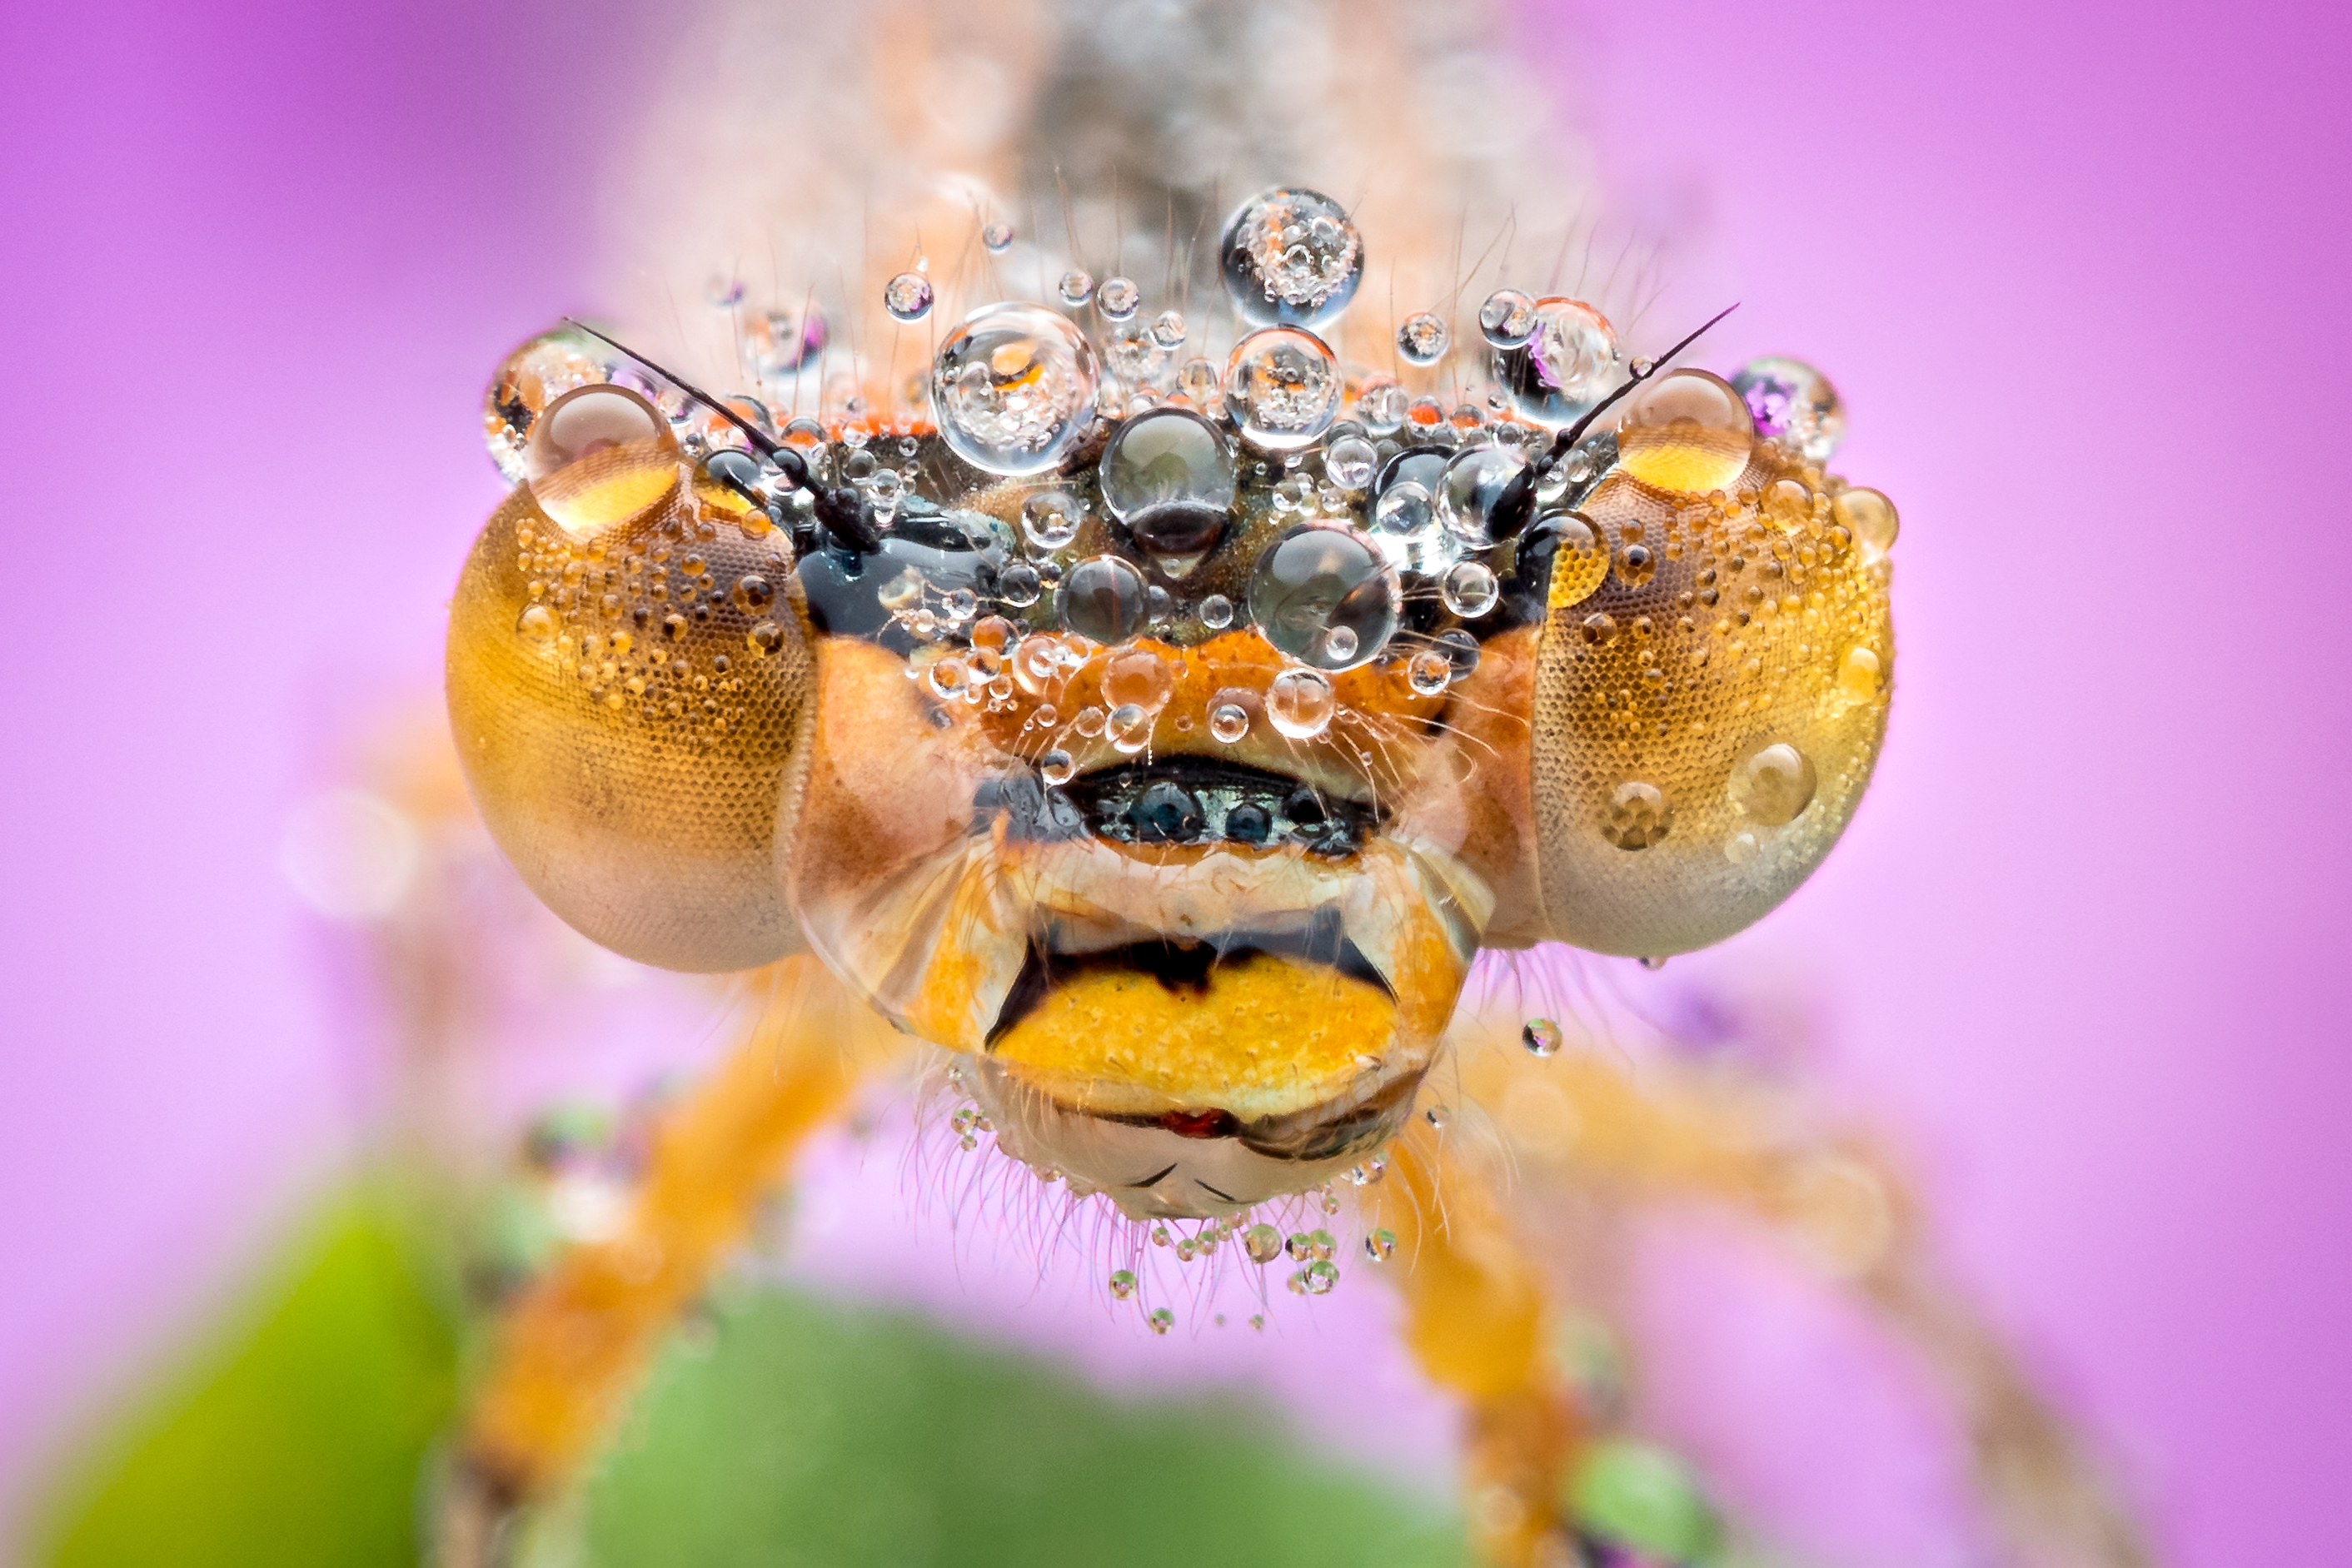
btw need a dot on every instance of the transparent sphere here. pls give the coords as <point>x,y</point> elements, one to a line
<point>997,238</point>
<point>1687,431</point>
<point>1104,598</point>
<point>1422,338</point>
<point>1169,476</point>
<point>1117,298</point>
<point>1050,519</point>
<point>1870,517</point>
<point>1077,286</point>
<point>1469,590</point>
<point>1168,329</point>
<point>1291,257</point>
<point>1381,405</point>
<point>1471,488</point>
<point>1014,388</point>
<point>907,297</point>
<point>599,455</point>
<point>1282,387</point>
<point>1562,366</point>
<point>1135,357</point>
<point>1348,463</point>
<point>1316,580</point>
<point>1299,704</point>
<point>532,377</point>
<point>1774,784</point>
<point>1794,405</point>
<point>1507,319</point>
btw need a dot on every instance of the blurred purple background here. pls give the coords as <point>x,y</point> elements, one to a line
<point>257,261</point>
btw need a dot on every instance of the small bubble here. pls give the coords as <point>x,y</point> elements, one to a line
<point>1380,405</point>
<point>1322,1275</point>
<point>1050,519</point>
<point>1089,722</point>
<point>1263,1243</point>
<point>1056,766</point>
<point>1201,380</point>
<point>1600,630</point>
<point>1187,1250</point>
<point>1162,1320</point>
<point>1123,1283</point>
<point>1422,338</point>
<point>1299,703</point>
<point>997,238</point>
<point>1282,387</point>
<point>764,637</point>
<point>907,297</point>
<point>1228,722</point>
<point>1349,463</point>
<point>1018,585</point>
<point>1541,1036</point>
<point>1741,847</point>
<point>1168,329</point>
<point>1160,1237</point>
<point>1117,298</point>
<point>537,623</point>
<point>1323,1244</point>
<point>1437,1116</point>
<point>1216,613</point>
<point>1870,517</point>
<point>1105,599</point>
<point>1653,961</point>
<point>1637,816</point>
<point>947,677</point>
<point>1794,405</point>
<point>1299,1247</point>
<point>960,604</point>
<point>1380,1245</point>
<point>1429,673</point>
<point>1559,370</point>
<point>1471,488</point>
<point>1130,727</point>
<point>1507,318</point>
<point>1077,286</point>
<point>1636,566</point>
<point>1774,784</point>
<point>1469,590</point>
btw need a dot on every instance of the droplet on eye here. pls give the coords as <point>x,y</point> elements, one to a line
<point>532,377</point>
<point>1774,784</point>
<point>1685,431</point>
<point>1637,816</point>
<point>1563,365</point>
<point>1014,388</point>
<point>1870,517</point>
<point>1794,404</point>
<point>1291,256</point>
<point>1228,722</point>
<point>1282,387</point>
<point>1315,578</point>
<point>1579,563</point>
<point>1422,338</point>
<point>599,455</point>
<point>1299,704</point>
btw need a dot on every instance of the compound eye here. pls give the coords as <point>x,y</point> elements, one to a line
<point>1712,679</point>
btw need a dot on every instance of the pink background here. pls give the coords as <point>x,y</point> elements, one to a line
<point>256,263</point>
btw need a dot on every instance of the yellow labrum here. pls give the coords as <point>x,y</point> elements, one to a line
<point>1263,1036</point>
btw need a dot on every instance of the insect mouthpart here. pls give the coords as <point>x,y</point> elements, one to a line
<point>1181,799</point>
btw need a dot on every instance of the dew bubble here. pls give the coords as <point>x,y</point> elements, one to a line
<point>1139,676</point>
<point>1558,370</point>
<point>1470,489</point>
<point>778,343</point>
<point>1578,561</point>
<point>1858,676</point>
<point>1128,727</point>
<point>1077,286</point>
<point>1774,784</point>
<point>1103,599</point>
<point>1422,338</point>
<point>1741,847</point>
<point>997,238</point>
<point>1322,1277</point>
<point>1089,722</point>
<point>1263,1243</point>
<point>764,637</point>
<point>1685,431</point>
<point>947,677</point>
<point>1380,1244</point>
<point>1228,722</point>
<point>1162,1320</point>
<point>537,623</point>
<point>907,297</point>
<point>1117,298</point>
<point>1469,590</point>
<point>752,593</point>
<point>1216,613</point>
<point>960,604</point>
<point>1541,1036</point>
<point>1018,585</point>
<point>1201,380</point>
<point>1317,578</point>
<point>1168,329</point>
<point>1169,476</point>
<point>1429,673</point>
<point>1637,816</point>
<point>1123,1283</point>
<point>1056,766</point>
<point>1299,703</point>
<point>599,455</point>
<point>1338,646</point>
<point>1870,517</point>
<point>1348,463</point>
<point>1507,319</point>
<point>1381,405</point>
<point>1014,388</point>
<point>1282,387</point>
<point>1050,519</point>
<point>1794,405</point>
<point>1291,256</point>
<point>532,377</point>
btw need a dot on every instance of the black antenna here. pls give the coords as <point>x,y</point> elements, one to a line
<point>769,446</point>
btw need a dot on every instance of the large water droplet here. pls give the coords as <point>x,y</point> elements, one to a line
<point>1563,366</point>
<point>907,297</point>
<point>1104,598</point>
<point>1014,388</point>
<point>599,455</point>
<point>1282,387</point>
<point>1422,338</point>
<point>1569,547</point>
<point>1405,529</point>
<point>1774,784</point>
<point>1291,256</point>
<point>1870,517</point>
<point>532,377</point>
<point>1315,578</point>
<point>1299,704</point>
<point>1794,404</point>
<point>1472,486</point>
<point>1685,431</point>
<point>1169,476</point>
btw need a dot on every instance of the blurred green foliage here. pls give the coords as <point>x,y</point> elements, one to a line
<point>777,1431</point>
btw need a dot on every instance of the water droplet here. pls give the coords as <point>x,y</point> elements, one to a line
<point>1637,816</point>
<point>947,677</point>
<point>1469,590</point>
<point>1870,517</point>
<point>1118,299</point>
<point>1128,727</point>
<point>765,637</point>
<point>1858,676</point>
<point>1322,1275</point>
<point>1437,1116</point>
<point>1774,784</point>
<point>1405,528</point>
<point>1018,585</point>
<point>907,297</point>
<point>1338,647</point>
<point>1794,405</point>
<point>1123,1283</point>
<point>1216,613</point>
<point>1187,1249</point>
<point>1104,598</point>
<point>1299,704</point>
<point>778,343</point>
<point>1139,676</point>
<point>1422,338</point>
<point>1014,388</point>
<point>1228,722</point>
<point>1056,766</point>
<point>1685,431</point>
<point>1579,563</point>
<point>532,377</point>
<point>1169,476</point>
<point>1507,319</point>
<point>1282,387</point>
<point>1541,1036</point>
<point>1429,673</point>
<point>752,593</point>
<point>1201,380</point>
<point>997,238</point>
<point>538,623</point>
<point>1600,629</point>
<point>1077,286</point>
<point>1560,369</point>
<point>1380,405</point>
<point>959,604</point>
<point>1050,519</point>
<point>1741,847</point>
<point>1291,256</point>
<point>1380,1245</point>
<point>1653,961</point>
<point>1317,578</point>
<point>1471,487</point>
<point>599,455</point>
<point>1348,462</point>
<point>1168,330</point>
<point>1162,1320</point>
